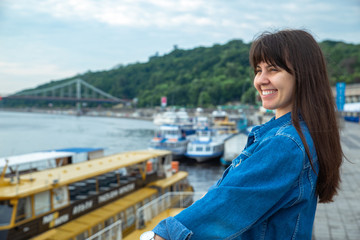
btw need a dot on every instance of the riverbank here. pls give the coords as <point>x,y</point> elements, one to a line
<point>143,114</point>
<point>253,115</point>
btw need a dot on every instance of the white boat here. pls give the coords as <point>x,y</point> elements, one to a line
<point>180,117</point>
<point>208,144</point>
<point>201,122</point>
<point>171,138</point>
<point>41,160</point>
<point>168,117</point>
<point>219,116</point>
<point>233,147</point>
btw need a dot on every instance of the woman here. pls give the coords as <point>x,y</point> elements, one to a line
<point>271,189</point>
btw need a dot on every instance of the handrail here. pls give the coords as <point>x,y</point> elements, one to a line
<point>164,202</point>
<point>110,232</point>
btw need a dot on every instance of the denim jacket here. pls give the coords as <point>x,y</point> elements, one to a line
<point>268,192</point>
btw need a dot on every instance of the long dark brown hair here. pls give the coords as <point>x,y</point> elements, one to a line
<point>297,52</point>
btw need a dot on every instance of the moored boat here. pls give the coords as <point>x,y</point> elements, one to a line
<point>42,160</point>
<point>232,148</point>
<point>37,202</point>
<point>168,117</point>
<point>123,216</point>
<point>208,144</point>
<point>172,138</point>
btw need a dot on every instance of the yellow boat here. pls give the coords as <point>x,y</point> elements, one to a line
<point>43,202</point>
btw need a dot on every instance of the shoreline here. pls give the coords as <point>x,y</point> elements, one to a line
<point>88,113</point>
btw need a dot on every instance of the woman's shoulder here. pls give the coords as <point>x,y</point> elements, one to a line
<point>288,131</point>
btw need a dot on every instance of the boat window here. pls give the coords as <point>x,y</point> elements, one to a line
<point>42,202</point>
<point>130,216</point>
<point>121,215</point>
<point>60,197</point>
<point>208,149</point>
<point>154,163</point>
<point>138,205</point>
<point>96,228</point>
<point>109,221</point>
<point>146,200</point>
<point>82,236</point>
<point>106,234</point>
<point>5,212</point>
<point>24,209</point>
<point>153,197</point>
<point>199,148</point>
<point>177,187</point>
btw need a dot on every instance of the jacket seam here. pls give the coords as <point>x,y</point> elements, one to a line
<point>301,189</point>
<point>296,227</point>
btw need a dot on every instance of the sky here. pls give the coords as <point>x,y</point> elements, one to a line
<point>48,40</point>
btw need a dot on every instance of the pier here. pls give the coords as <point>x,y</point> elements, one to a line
<point>340,220</point>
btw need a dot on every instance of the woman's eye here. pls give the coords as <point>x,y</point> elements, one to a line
<point>274,69</point>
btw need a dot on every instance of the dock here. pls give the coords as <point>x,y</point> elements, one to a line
<point>340,220</point>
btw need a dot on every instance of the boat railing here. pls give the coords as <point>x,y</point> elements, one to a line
<point>167,201</point>
<point>111,232</point>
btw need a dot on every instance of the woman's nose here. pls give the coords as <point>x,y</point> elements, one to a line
<point>262,78</point>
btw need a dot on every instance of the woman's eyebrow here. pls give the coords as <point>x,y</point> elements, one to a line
<point>267,66</point>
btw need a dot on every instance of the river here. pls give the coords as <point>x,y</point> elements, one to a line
<point>29,132</point>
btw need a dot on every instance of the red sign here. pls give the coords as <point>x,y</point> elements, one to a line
<point>163,101</point>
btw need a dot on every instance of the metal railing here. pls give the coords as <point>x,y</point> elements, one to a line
<point>164,202</point>
<point>111,232</point>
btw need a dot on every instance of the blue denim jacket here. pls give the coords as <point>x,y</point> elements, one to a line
<point>268,192</point>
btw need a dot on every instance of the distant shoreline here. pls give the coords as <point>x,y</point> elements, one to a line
<point>89,113</point>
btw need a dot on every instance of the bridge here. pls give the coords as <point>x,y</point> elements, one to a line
<point>76,90</point>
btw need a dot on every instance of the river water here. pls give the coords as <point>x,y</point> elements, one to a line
<point>29,132</point>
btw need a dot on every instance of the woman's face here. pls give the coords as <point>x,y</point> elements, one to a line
<point>275,86</point>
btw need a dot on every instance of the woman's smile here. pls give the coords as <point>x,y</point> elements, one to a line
<point>275,86</point>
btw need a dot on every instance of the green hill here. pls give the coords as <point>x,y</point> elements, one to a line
<point>205,76</point>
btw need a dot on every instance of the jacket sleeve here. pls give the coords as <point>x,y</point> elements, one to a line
<point>249,193</point>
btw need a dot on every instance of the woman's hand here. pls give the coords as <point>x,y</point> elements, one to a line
<point>157,237</point>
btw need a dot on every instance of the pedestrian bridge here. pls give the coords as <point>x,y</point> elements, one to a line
<point>76,90</point>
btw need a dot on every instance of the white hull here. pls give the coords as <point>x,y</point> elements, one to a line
<point>207,158</point>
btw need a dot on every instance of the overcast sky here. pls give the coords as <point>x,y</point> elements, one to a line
<point>44,40</point>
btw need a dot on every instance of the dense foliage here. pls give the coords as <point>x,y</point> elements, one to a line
<point>205,76</point>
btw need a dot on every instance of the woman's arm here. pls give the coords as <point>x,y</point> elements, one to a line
<point>250,192</point>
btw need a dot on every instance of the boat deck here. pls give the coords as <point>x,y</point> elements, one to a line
<point>150,225</point>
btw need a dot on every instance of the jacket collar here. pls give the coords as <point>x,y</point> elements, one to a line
<point>261,130</point>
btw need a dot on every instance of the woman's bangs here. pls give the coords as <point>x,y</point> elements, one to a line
<point>268,51</point>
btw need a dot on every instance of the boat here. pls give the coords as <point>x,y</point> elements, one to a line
<point>168,117</point>
<point>208,144</point>
<point>41,160</point>
<point>219,116</point>
<point>201,122</point>
<point>41,202</point>
<point>232,148</point>
<point>172,138</point>
<point>180,118</point>
<point>120,218</point>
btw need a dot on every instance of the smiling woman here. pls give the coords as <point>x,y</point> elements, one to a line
<point>275,86</point>
<point>270,191</point>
